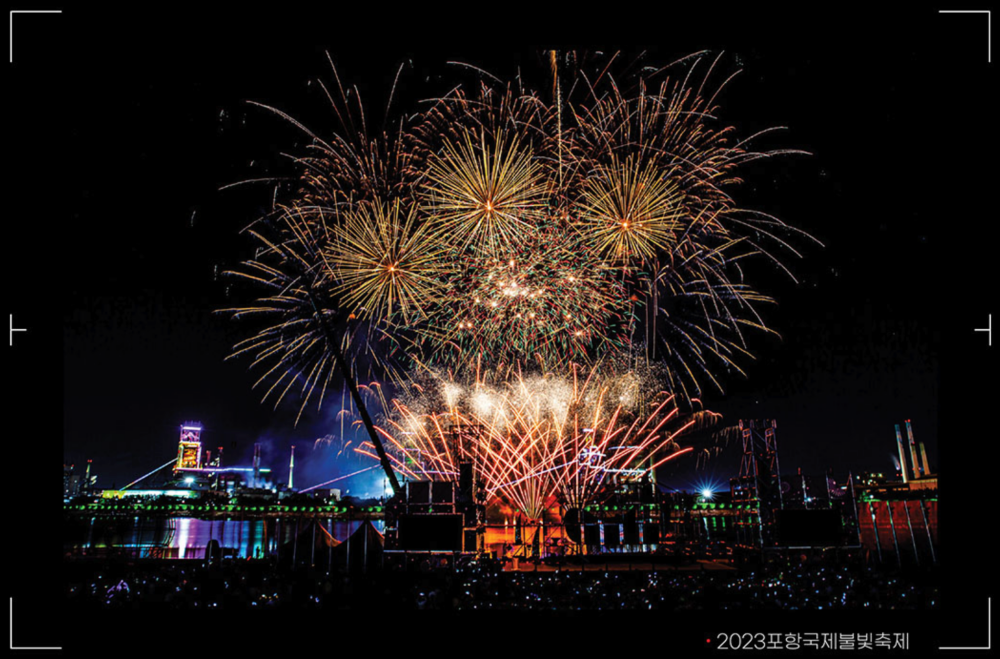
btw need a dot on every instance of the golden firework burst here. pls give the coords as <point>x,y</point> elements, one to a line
<point>630,210</point>
<point>387,263</point>
<point>485,192</point>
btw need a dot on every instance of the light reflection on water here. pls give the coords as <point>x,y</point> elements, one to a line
<point>188,537</point>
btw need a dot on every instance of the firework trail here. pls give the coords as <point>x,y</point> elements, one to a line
<point>503,222</point>
<point>536,440</point>
<point>535,231</point>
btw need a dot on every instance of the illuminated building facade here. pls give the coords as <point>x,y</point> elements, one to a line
<point>189,448</point>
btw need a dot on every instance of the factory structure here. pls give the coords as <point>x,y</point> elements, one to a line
<point>889,519</point>
<point>899,518</point>
<point>766,514</point>
<point>199,470</point>
<point>921,468</point>
<point>75,484</point>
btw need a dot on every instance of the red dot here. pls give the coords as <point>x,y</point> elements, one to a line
<point>708,640</point>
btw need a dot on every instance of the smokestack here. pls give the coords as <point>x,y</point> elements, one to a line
<point>86,478</point>
<point>256,464</point>
<point>291,468</point>
<point>218,460</point>
<point>902,454</point>
<point>913,450</point>
<point>923,455</point>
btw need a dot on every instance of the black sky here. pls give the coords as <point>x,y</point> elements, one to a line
<point>148,230</point>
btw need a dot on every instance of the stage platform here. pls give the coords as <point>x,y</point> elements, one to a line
<point>596,565</point>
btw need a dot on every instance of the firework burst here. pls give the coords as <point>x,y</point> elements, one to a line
<point>485,196</point>
<point>590,218</point>
<point>629,211</point>
<point>538,439</point>
<point>549,302</point>
<point>386,266</point>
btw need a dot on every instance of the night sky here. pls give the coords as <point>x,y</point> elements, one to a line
<point>149,233</point>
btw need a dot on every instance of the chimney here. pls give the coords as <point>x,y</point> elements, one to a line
<point>923,454</point>
<point>291,468</point>
<point>256,464</point>
<point>913,450</point>
<point>902,454</point>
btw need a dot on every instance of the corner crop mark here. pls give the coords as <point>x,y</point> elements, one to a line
<point>989,630</point>
<point>24,11</point>
<point>15,647</point>
<point>989,28</point>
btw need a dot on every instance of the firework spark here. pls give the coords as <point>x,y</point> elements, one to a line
<point>538,439</point>
<point>386,265</point>
<point>486,196</point>
<point>590,218</point>
<point>631,211</point>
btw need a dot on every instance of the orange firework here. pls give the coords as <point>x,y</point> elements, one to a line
<point>532,439</point>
